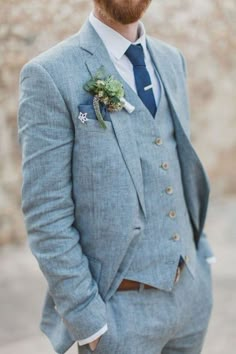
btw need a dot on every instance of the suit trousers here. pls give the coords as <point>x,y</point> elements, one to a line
<point>153,321</point>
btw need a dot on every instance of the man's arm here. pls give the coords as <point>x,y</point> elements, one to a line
<point>46,135</point>
<point>184,65</point>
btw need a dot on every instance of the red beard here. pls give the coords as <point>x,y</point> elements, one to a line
<point>123,11</point>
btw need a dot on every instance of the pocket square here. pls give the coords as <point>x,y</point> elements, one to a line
<point>87,112</point>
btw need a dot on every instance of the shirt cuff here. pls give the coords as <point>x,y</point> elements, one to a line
<point>94,336</point>
<point>211,260</point>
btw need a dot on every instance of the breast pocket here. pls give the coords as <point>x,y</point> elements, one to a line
<point>96,148</point>
<point>88,111</point>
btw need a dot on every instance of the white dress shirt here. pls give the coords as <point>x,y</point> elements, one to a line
<point>116,46</point>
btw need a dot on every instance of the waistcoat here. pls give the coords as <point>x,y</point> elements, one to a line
<point>168,233</point>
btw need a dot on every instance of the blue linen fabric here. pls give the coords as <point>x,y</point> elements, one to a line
<point>158,322</point>
<point>164,238</point>
<point>82,185</point>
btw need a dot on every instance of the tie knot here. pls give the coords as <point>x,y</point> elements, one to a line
<point>135,54</point>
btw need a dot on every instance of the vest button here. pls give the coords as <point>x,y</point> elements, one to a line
<point>172,214</point>
<point>176,237</point>
<point>158,141</point>
<point>165,165</point>
<point>169,190</point>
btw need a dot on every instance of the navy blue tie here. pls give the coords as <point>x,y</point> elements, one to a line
<point>143,82</point>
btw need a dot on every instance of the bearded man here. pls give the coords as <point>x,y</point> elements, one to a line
<point>114,196</point>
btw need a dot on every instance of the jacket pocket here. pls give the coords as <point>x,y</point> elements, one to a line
<point>89,109</point>
<point>92,125</point>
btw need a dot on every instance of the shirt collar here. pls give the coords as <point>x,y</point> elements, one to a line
<point>114,42</point>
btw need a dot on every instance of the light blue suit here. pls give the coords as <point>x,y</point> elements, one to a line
<point>81,221</point>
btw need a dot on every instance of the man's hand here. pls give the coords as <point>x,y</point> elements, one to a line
<point>93,345</point>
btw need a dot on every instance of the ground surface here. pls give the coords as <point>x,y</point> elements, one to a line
<point>22,289</point>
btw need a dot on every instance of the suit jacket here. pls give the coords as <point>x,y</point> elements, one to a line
<point>81,183</point>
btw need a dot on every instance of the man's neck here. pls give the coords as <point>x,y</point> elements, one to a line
<point>129,31</point>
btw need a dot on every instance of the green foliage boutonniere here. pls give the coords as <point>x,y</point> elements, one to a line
<point>108,91</point>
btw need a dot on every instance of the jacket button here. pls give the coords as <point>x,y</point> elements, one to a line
<point>169,190</point>
<point>165,165</point>
<point>172,214</point>
<point>176,237</point>
<point>158,141</point>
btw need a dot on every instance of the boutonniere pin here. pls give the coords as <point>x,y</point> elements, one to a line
<point>108,91</point>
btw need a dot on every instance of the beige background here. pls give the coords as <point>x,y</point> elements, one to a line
<point>205,31</point>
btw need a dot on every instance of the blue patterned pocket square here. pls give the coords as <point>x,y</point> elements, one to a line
<point>86,112</point>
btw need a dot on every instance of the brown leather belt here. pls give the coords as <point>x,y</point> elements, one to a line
<point>127,284</point>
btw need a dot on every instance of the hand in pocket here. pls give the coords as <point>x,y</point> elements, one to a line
<point>93,344</point>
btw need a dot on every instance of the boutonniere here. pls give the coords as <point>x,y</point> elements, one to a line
<point>108,91</point>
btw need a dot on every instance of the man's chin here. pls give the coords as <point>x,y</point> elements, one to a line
<point>110,19</point>
<point>129,22</point>
<point>125,15</point>
<point>126,21</point>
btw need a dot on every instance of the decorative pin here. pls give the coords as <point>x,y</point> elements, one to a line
<point>83,117</point>
<point>148,87</point>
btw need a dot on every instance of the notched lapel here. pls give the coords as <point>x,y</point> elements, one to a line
<point>121,124</point>
<point>169,79</point>
<point>128,146</point>
<point>195,180</point>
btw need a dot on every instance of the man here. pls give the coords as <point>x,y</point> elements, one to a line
<point>115,216</point>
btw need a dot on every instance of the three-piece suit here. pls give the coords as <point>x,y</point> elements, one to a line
<point>101,205</point>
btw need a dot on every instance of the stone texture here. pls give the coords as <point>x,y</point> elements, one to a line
<point>204,30</point>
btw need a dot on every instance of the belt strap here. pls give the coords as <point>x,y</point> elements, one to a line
<point>128,284</point>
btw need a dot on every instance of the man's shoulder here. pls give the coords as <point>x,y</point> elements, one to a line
<point>58,57</point>
<point>164,46</point>
<point>170,53</point>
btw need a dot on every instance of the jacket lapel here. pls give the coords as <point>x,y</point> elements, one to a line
<point>169,75</point>
<point>195,181</point>
<point>91,42</point>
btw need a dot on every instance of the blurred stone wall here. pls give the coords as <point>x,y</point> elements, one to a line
<point>205,32</point>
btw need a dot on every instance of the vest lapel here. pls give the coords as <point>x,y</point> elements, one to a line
<point>196,185</point>
<point>91,42</point>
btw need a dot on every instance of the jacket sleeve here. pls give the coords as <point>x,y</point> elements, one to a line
<point>94,336</point>
<point>46,135</point>
<point>205,248</point>
<point>184,65</point>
